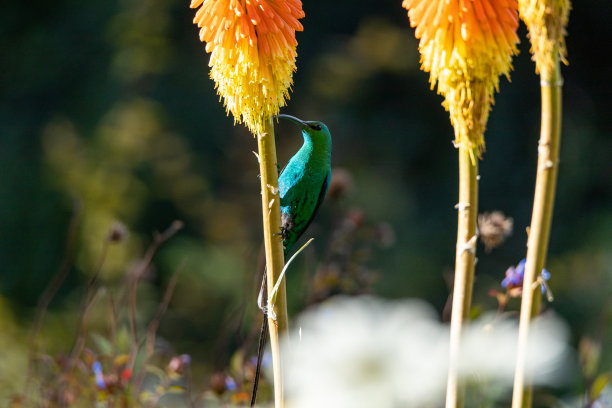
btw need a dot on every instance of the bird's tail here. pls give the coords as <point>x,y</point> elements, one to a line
<point>262,301</point>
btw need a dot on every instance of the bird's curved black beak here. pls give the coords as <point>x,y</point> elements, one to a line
<point>293,119</point>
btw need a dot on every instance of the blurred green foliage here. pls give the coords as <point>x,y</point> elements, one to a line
<point>108,105</point>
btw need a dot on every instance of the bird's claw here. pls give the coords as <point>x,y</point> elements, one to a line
<point>283,233</point>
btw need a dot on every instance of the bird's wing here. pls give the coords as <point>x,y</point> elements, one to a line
<point>322,193</point>
<point>320,199</point>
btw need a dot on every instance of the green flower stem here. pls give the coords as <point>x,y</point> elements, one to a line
<point>464,268</point>
<point>275,260</point>
<point>539,232</point>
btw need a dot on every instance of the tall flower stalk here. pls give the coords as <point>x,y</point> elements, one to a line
<point>253,50</point>
<point>465,45</point>
<point>546,21</point>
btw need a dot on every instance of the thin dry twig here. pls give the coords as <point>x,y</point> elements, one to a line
<point>135,276</point>
<point>57,280</point>
<point>86,304</point>
<point>113,323</point>
<point>51,290</point>
<point>154,325</point>
<point>79,343</point>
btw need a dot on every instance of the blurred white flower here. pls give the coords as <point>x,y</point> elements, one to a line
<point>368,352</point>
<point>490,344</point>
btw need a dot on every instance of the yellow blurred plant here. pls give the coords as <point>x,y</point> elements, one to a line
<point>546,21</point>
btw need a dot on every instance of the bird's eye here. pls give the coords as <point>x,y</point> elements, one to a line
<point>315,126</point>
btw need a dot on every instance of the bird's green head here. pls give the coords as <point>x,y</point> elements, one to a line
<point>316,131</point>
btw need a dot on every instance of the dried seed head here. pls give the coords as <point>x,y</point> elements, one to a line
<point>494,228</point>
<point>118,232</point>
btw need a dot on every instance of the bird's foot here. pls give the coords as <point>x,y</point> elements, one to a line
<point>284,233</point>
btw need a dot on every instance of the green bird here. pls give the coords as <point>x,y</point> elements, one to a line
<point>304,181</point>
<point>302,187</point>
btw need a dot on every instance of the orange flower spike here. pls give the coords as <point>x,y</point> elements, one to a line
<point>253,49</point>
<point>546,21</point>
<point>466,45</point>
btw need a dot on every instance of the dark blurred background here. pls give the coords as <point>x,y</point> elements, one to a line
<point>107,108</point>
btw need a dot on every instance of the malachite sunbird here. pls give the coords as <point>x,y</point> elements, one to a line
<point>303,182</point>
<point>302,187</point>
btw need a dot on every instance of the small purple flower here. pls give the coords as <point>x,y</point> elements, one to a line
<point>97,369</point>
<point>185,358</point>
<point>266,360</point>
<point>230,384</point>
<point>178,363</point>
<point>515,275</point>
